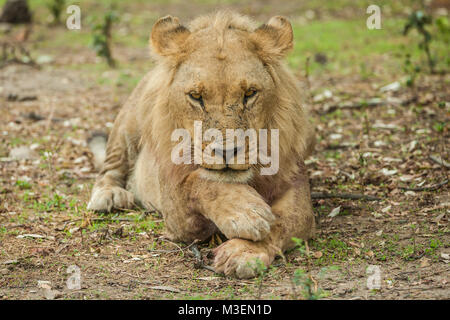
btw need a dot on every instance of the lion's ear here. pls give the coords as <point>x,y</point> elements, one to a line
<point>168,36</point>
<point>275,38</point>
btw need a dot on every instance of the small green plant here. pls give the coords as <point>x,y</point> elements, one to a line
<point>411,70</point>
<point>310,290</point>
<point>101,37</point>
<point>56,7</point>
<point>50,203</point>
<point>439,126</point>
<point>56,202</point>
<point>23,185</point>
<point>434,245</point>
<point>260,270</point>
<point>304,279</point>
<point>418,20</point>
<point>300,245</point>
<point>413,233</point>
<point>408,252</point>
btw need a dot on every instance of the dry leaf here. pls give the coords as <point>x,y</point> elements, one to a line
<point>335,212</point>
<point>318,254</point>
<point>424,262</point>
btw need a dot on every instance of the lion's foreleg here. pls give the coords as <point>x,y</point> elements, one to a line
<point>294,218</point>
<point>236,209</point>
<point>109,189</point>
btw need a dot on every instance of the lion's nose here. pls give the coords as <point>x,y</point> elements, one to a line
<point>227,154</point>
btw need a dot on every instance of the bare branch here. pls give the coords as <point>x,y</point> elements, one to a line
<point>352,196</point>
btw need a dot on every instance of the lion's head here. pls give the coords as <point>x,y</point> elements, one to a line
<point>224,72</point>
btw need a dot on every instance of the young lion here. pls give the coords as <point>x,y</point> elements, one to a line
<point>227,73</point>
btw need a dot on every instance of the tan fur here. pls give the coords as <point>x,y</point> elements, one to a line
<point>220,56</point>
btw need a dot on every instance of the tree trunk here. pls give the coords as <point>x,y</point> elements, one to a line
<point>16,11</point>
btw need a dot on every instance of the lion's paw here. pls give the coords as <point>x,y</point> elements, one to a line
<point>250,221</point>
<point>106,198</point>
<point>240,258</point>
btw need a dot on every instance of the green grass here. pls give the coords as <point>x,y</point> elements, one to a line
<point>23,185</point>
<point>350,46</point>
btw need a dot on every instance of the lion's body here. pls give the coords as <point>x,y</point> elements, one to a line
<point>218,55</point>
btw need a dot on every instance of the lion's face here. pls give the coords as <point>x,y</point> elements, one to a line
<point>220,83</point>
<point>223,89</point>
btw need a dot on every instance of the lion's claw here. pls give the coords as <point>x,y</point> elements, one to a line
<point>106,198</point>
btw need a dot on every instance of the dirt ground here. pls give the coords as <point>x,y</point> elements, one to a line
<point>390,148</point>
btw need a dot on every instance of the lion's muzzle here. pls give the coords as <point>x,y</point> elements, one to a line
<point>233,159</point>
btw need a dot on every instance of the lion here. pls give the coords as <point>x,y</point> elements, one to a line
<point>227,72</point>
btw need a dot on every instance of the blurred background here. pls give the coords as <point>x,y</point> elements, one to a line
<point>379,100</point>
<point>331,34</point>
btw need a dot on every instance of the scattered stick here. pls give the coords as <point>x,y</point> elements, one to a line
<point>352,196</point>
<point>148,213</point>
<point>374,102</point>
<point>112,218</point>
<point>176,245</point>
<point>175,250</point>
<point>196,252</point>
<point>154,208</point>
<point>9,55</point>
<point>418,288</point>
<point>429,188</point>
<point>440,161</point>
<point>33,116</point>
<point>198,256</point>
<point>61,249</point>
<point>341,146</point>
<point>165,288</point>
<point>208,268</point>
<point>100,219</point>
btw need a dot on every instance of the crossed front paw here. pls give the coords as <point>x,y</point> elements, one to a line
<point>240,258</point>
<point>104,199</point>
<point>249,219</point>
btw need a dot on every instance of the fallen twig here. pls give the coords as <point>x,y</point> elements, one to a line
<point>99,219</point>
<point>33,116</point>
<point>175,250</point>
<point>440,161</point>
<point>61,248</point>
<point>441,286</point>
<point>429,188</point>
<point>374,102</point>
<point>148,203</point>
<point>352,196</point>
<point>165,288</point>
<point>196,252</point>
<point>198,256</point>
<point>17,61</point>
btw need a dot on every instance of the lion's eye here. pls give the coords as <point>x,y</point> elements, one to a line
<point>250,93</point>
<point>195,96</point>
